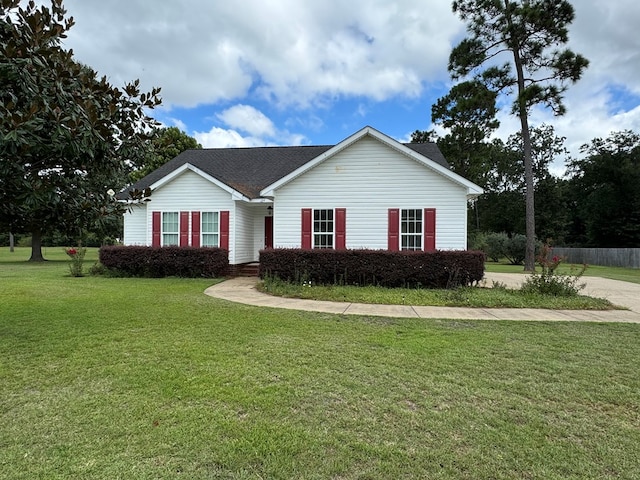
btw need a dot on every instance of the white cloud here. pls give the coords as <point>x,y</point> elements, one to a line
<point>257,128</point>
<point>292,52</point>
<point>248,119</point>
<point>179,123</point>
<point>606,33</point>
<point>299,56</point>
<point>223,138</point>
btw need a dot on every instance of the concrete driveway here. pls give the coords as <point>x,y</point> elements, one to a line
<point>624,294</point>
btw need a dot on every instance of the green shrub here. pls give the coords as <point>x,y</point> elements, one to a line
<point>477,241</point>
<point>438,269</point>
<point>515,248</point>
<point>156,262</point>
<point>24,241</point>
<point>495,245</point>
<point>500,245</point>
<point>98,269</point>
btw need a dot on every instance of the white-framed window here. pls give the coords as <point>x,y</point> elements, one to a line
<point>323,228</point>
<point>170,228</point>
<point>210,229</point>
<point>411,229</point>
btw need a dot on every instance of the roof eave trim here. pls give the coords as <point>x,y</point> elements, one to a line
<point>472,188</point>
<point>472,195</point>
<point>236,195</point>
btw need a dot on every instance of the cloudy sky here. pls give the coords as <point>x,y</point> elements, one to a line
<point>289,72</point>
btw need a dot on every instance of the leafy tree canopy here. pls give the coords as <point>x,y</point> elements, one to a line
<point>468,112</point>
<point>546,147</point>
<point>527,34</point>
<point>497,209</point>
<point>165,143</point>
<point>605,192</point>
<point>66,135</point>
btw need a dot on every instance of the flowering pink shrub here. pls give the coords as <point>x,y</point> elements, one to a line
<point>548,281</point>
<point>77,258</point>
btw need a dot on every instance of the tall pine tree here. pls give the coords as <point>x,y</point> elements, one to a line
<point>527,36</point>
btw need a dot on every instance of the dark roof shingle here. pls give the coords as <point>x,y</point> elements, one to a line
<point>249,170</point>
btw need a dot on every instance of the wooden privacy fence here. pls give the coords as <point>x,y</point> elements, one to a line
<point>608,257</point>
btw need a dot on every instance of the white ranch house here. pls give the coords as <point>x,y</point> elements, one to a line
<point>368,191</point>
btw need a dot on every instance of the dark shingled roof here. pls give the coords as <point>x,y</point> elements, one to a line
<point>249,170</point>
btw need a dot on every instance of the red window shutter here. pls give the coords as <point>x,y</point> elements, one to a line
<point>341,227</point>
<point>195,229</point>
<point>184,229</point>
<point>155,229</point>
<point>224,229</point>
<point>306,228</point>
<point>429,229</point>
<point>394,229</point>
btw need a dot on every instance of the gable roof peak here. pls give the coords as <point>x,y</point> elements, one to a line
<point>252,170</point>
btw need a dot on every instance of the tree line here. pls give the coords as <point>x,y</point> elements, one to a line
<point>595,203</point>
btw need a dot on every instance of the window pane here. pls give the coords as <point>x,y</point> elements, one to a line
<point>170,222</point>
<point>209,222</point>
<point>170,228</point>
<point>209,229</point>
<point>323,228</point>
<point>411,229</point>
<point>323,241</point>
<point>210,240</point>
<point>169,239</point>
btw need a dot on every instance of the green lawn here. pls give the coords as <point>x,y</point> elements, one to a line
<point>474,297</point>
<point>149,378</point>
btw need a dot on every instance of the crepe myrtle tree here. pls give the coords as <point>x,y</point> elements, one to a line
<point>520,44</point>
<point>67,136</point>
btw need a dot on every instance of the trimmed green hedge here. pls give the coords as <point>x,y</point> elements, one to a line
<point>165,261</point>
<point>439,269</point>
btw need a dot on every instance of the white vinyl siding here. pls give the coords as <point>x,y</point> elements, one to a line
<point>170,228</point>
<point>260,212</point>
<point>190,192</point>
<point>250,219</point>
<point>368,178</point>
<point>135,229</point>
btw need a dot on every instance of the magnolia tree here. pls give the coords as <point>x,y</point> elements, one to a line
<point>67,136</point>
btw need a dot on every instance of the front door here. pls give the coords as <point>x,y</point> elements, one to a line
<point>268,232</point>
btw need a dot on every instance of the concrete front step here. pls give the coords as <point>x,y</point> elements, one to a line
<point>246,270</point>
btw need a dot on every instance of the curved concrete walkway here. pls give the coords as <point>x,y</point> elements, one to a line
<point>624,294</point>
